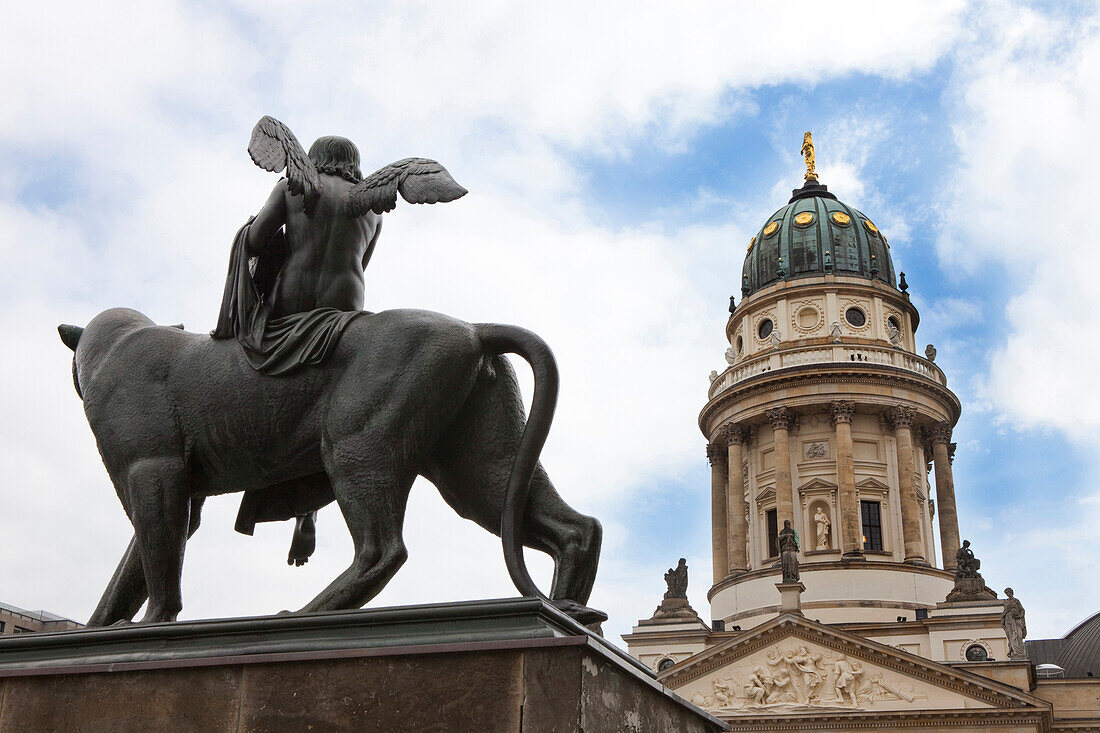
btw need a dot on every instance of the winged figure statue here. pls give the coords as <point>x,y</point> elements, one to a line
<point>295,276</point>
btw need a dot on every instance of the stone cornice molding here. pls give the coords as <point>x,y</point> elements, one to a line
<point>841,411</point>
<point>781,418</point>
<point>716,453</point>
<point>831,374</point>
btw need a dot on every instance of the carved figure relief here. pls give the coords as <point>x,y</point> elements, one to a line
<point>815,450</point>
<point>798,675</point>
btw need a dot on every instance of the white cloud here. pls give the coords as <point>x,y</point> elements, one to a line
<point>152,104</point>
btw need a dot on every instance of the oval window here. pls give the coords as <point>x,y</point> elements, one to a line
<point>856,317</point>
<point>807,318</point>
<point>893,321</point>
<point>740,344</point>
<point>765,328</point>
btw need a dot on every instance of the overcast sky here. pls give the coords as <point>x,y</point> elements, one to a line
<point>618,156</point>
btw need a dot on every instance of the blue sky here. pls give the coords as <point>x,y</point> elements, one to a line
<point>617,167</point>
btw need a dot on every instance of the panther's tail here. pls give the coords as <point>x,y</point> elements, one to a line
<point>501,339</point>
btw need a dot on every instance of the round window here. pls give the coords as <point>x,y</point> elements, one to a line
<point>740,344</point>
<point>765,328</point>
<point>856,317</point>
<point>807,318</point>
<point>894,322</point>
<point>976,653</point>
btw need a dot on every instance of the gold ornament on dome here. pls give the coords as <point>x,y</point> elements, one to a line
<point>771,229</point>
<point>841,218</point>
<point>803,218</point>
<point>808,154</point>
<point>870,227</point>
<point>751,243</point>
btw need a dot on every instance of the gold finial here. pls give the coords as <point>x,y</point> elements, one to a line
<point>808,154</point>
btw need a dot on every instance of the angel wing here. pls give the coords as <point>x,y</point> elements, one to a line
<point>419,180</point>
<point>274,147</point>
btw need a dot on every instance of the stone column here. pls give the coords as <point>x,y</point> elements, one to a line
<point>781,419</point>
<point>737,437</point>
<point>716,454</point>
<point>945,495</point>
<point>902,419</point>
<point>851,532</point>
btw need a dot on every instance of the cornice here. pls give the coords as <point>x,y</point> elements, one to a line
<point>829,373</point>
<point>831,565</point>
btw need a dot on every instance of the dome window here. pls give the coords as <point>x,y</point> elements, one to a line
<point>771,229</point>
<point>765,328</point>
<point>803,218</point>
<point>855,317</point>
<point>842,219</point>
<point>976,653</point>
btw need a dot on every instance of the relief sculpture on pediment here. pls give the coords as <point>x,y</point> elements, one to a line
<point>795,676</point>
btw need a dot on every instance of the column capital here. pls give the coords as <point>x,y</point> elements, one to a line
<point>716,453</point>
<point>841,411</point>
<point>899,417</point>
<point>941,433</point>
<point>781,418</point>
<point>951,453</point>
<point>736,433</point>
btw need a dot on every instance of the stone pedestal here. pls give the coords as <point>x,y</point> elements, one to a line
<point>790,597</point>
<point>675,608</point>
<point>504,665</point>
<point>970,589</point>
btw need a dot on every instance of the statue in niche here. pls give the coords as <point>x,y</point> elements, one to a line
<point>1012,621</point>
<point>821,519</point>
<point>966,565</point>
<point>399,394</point>
<point>677,580</point>
<point>788,552</point>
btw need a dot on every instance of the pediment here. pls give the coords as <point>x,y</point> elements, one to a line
<point>766,495</point>
<point>816,484</point>
<point>792,666</point>
<point>872,484</point>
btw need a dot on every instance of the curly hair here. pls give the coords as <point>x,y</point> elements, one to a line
<point>336,156</point>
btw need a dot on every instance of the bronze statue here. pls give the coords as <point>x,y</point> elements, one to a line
<point>677,580</point>
<point>788,552</point>
<point>295,277</point>
<point>303,407</point>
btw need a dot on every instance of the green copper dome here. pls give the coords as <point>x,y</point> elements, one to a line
<point>813,235</point>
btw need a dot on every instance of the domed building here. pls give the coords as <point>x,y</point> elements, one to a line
<point>835,593</point>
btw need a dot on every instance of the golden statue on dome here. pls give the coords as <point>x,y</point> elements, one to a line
<point>808,154</point>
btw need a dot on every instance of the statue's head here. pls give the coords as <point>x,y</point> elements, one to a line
<point>966,543</point>
<point>1008,592</point>
<point>683,562</point>
<point>336,156</point>
<point>786,524</point>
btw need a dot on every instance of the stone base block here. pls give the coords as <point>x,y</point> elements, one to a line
<point>970,589</point>
<point>506,665</point>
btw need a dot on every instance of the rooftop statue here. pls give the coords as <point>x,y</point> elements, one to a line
<point>677,580</point>
<point>299,398</point>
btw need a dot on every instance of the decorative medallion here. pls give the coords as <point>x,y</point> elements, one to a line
<point>771,229</point>
<point>803,218</point>
<point>751,243</point>
<point>870,227</point>
<point>841,218</point>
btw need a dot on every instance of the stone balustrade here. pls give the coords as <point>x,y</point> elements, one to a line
<point>834,353</point>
